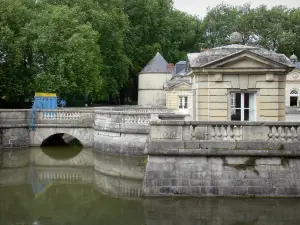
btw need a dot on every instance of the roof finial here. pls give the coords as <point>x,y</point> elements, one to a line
<point>293,57</point>
<point>236,38</point>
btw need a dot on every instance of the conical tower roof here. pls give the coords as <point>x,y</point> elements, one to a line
<point>156,65</point>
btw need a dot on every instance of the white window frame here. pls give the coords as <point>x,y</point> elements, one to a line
<point>233,99</point>
<point>242,108</point>
<point>184,100</point>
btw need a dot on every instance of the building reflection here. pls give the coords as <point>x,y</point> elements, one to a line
<point>105,190</point>
<point>113,175</point>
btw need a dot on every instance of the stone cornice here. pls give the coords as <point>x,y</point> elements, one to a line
<point>259,71</point>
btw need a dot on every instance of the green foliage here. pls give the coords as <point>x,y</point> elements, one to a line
<point>94,49</point>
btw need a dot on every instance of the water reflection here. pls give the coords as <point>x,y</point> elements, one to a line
<point>37,189</point>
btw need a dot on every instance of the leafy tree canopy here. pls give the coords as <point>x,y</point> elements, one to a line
<point>94,49</point>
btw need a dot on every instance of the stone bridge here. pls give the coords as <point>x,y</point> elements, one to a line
<point>16,130</point>
<point>215,158</point>
<point>120,130</point>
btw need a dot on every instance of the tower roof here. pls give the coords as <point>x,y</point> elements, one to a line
<point>156,65</point>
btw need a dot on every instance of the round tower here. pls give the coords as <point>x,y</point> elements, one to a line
<point>151,82</point>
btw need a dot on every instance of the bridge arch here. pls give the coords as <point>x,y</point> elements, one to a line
<point>84,135</point>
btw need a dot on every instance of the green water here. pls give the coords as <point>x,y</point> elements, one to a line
<point>29,196</point>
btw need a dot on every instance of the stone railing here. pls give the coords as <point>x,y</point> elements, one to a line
<point>66,116</point>
<point>131,120</point>
<point>23,117</point>
<point>127,122</point>
<point>225,130</point>
<point>14,117</point>
<point>136,109</point>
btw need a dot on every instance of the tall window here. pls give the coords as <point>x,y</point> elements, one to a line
<point>242,106</point>
<point>183,102</point>
<point>294,98</point>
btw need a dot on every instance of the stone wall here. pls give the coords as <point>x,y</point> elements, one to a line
<point>223,159</point>
<point>14,131</point>
<point>222,176</point>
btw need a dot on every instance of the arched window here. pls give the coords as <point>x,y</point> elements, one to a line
<point>294,92</point>
<point>294,98</point>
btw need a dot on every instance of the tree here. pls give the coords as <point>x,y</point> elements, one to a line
<point>65,52</point>
<point>15,56</point>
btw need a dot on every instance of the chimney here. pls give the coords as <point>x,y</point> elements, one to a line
<point>171,67</point>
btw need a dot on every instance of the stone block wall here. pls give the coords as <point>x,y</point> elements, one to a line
<point>14,137</point>
<point>222,176</point>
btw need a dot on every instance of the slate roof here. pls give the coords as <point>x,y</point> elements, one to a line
<point>180,68</point>
<point>203,58</point>
<point>156,65</point>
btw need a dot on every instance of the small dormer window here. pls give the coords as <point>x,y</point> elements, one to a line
<point>183,102</point>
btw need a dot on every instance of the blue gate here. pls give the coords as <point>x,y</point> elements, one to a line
<point>43,101</point>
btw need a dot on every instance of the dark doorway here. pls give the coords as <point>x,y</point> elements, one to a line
<point>293,101</point>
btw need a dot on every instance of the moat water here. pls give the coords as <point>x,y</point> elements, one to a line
<point>64,186</point>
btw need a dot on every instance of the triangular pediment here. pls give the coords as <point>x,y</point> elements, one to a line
<point>244,59</point>
<point>181,86</point>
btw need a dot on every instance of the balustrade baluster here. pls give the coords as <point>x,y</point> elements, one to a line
<point>282,133</point>
<point>193,132</point>
<point>218,132</point>
<point>237,133</point>
<point>270,134</point>
<point>276,134</point>
<point>295,133</point>
<point>231,134</point>
<point>213,133</point>
<point>224,133</point>
<point>289,135</point>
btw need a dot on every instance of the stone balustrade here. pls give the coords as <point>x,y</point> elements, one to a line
<point>136,109</point>
<point>225,130</point>
<point>23,118</point>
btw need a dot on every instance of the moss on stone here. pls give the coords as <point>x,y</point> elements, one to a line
<point>249,164</point>
<point>285,162</point>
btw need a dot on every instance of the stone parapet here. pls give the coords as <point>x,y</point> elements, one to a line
<point>225,131</point>
<point>124,132</point>
<point>197,158</point>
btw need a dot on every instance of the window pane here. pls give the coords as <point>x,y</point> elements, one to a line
<point>235,114</point>
<point>246,114</point>
<point>180,102</point>
<point>238,100</point>
<point>246,100</point>
<point>185,102</point>
<point>251,101</point>
<point>251,115</point>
